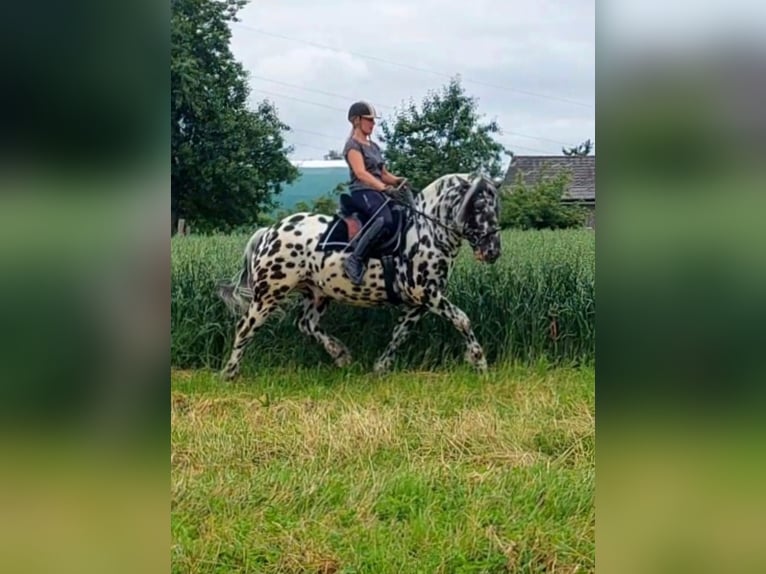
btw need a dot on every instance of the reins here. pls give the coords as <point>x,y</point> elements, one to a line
<point>454,230</point>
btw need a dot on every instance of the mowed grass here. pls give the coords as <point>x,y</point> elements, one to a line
<point>339,471</point>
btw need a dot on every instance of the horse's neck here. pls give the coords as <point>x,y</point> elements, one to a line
<point>438,208</point>
<point>440,222</point>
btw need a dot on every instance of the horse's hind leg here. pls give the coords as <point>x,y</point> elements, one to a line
<point>308,323</point>
<point>404,324</point>
<point>255,316</point>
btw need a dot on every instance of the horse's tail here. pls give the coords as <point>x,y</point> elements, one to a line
<point>237,293</point>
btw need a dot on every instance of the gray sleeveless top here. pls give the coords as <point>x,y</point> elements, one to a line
<point>373,162</point>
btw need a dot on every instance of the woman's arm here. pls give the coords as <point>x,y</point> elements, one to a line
<point>390,178</point>
<point>356,161</point>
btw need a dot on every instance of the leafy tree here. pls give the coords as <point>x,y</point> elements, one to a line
<point>539,206</point>
<point>228,161</point>
<point>582,150</point>
<point>333,154</point>
<point>444,135</point>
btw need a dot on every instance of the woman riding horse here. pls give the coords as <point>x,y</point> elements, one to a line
<point>369,183</point>
<point>287,257</point>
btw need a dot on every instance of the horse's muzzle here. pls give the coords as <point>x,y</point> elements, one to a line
<point>489,255</point>
<point>488,251</point>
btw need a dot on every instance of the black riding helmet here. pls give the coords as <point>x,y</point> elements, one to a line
<point>361,109</point>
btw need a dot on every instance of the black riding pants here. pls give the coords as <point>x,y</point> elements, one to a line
<point>368,201</point>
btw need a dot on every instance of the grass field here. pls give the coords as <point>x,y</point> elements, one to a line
<point>318,470</point>
<point>303,468</point>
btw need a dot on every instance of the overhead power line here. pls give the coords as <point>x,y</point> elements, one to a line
<point>340,140</point>
<point>313,103</point>
<point>297,87</point>
<point>413,68</point>
<point>299,100</point>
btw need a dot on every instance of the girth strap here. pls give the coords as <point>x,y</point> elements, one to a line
<point>389,277</point>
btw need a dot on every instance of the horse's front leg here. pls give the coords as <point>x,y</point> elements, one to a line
<point>404,325</point>
<point>440,305</point>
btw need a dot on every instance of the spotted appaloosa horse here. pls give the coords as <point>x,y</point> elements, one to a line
<point>288,257</point>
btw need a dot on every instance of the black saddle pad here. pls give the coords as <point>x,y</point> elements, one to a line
<point>336,236</point>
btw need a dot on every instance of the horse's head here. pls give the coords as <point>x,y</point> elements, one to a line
<point>477,215</point>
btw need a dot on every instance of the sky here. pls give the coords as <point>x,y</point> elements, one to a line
<point>530,65</point>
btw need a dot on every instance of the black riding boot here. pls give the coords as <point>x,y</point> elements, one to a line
<point>355,264</point>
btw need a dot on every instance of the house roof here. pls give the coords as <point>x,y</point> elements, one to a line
<point>582,186</point>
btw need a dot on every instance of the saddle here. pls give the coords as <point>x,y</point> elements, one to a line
<point>349,221</point>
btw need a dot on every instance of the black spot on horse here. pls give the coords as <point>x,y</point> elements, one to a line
<point>289,264</point>
<point>296,218</point>
<point>275,247</point>
<point>297,232</point>
<point>278,275</point>
<point>288,228</point>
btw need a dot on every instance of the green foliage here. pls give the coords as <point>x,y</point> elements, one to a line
<point>326,204</point>
<point>444,135</point>
<point>228,161</point>
<point>539,206</point>
<point>537,301</point>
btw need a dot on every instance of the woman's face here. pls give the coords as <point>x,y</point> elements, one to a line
<point>366,125</point>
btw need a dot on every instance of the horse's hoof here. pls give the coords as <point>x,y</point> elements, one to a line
<point>228,376</point>
<point>343,361</point>
<point>381,367</point>
<point>481,367</point>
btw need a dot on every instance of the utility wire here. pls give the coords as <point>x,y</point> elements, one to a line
<point>505,132</point>
<point>413,68</point>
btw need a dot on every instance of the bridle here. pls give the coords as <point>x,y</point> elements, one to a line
<point>472,238</point>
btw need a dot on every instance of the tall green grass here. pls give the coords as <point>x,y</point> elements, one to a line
<point>537,302</point>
